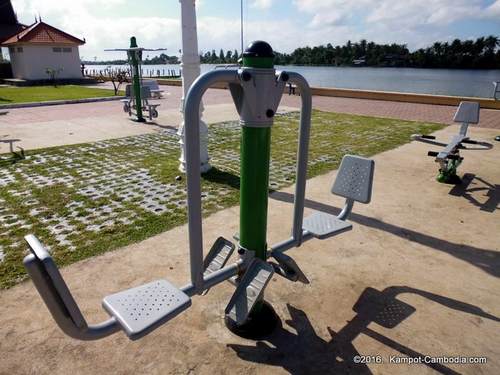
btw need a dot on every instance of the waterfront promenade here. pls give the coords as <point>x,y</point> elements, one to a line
<point>40,127</point>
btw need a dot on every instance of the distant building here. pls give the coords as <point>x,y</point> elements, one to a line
<point>359,62</point>
<point>41,47</point>
<point>35,49</point>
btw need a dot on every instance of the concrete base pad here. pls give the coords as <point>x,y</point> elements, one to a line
<point>417,275</point>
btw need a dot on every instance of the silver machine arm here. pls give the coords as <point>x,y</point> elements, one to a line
<point>56,295</point>
<point>192,139</point>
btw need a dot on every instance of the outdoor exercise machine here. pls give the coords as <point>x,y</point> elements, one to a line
<point>449,158</point>
<point>256,89</point>
<point>137,94</point>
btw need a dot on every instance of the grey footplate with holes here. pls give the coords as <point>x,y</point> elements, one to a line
<point>322,225</point>
<point>249,290</point>
<point>218,255</point>
<point>142,309</point>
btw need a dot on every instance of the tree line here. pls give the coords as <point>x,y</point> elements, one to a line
<point>482,53</point>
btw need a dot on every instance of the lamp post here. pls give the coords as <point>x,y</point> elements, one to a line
<point>190,65</point>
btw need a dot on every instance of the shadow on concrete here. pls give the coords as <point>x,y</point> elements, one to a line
<point>167,128</point>
<point>471,184</point>
<point>484,259</point>
<point>222,177</point>
<point>304,352</point>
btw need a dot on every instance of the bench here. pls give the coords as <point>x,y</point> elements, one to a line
<point>129,102</point>
<point>154,88</point>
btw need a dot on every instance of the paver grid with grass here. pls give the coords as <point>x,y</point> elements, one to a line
<point>87,199</point>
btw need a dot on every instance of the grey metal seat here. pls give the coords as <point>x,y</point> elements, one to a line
<point>355,179</point>
<point>141,309</point>
<point>354,182</point>
<point>467,113</point>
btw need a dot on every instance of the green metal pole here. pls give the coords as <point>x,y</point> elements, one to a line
<point>254,175</point>
<point>134,60</point>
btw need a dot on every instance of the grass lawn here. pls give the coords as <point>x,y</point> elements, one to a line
<point>83,200</point>
<point>10,95</point>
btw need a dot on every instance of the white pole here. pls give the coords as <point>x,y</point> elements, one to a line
<point>241,25</point>
<point>190,66</point>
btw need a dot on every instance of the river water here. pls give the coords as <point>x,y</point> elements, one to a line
<point>476,83</point>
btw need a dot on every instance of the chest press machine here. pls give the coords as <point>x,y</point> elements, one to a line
<point>256,89</point>
<point>449,158</point>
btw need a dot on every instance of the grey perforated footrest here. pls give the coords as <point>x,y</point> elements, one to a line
<point>249,290</point>
<point>142,309</point>
<point>218,255</point>
<point>322,225</point>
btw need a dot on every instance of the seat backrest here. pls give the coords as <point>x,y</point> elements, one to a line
<point>355,179</point>
<point>128,91</point>
<point>153,85</point>
<point>145,92</point>
<point>467,113</point>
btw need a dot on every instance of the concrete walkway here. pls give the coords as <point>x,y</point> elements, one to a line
<point>417,275</point>
<point>75,128</point>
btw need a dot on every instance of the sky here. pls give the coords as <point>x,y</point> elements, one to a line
<point>285,24</point>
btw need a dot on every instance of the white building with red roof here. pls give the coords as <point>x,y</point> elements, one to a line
<point>41,47</point>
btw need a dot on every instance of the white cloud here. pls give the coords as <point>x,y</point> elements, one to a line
<point>262,4</point>
<point>494,9</point>
<point>415,22</point>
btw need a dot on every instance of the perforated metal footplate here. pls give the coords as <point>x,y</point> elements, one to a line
<point>142,309</point>
<point>249,290</point>
<point>323,225</point>
<point>218,255</point>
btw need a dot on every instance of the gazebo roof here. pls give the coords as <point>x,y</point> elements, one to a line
<point>42,33</point>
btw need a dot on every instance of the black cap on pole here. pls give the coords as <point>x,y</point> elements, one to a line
<point>258,48</point>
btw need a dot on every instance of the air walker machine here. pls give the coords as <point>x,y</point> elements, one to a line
<point>256,89</point>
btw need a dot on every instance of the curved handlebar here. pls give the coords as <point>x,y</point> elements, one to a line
<point>192,141</point>
<point>302,154</point>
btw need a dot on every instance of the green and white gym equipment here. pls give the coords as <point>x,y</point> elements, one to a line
<point>256,89</point>
<point>449,158</point>
<point>137,94</point>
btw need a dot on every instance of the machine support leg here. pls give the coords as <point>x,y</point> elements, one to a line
<point>255,156</point>
<point>137,80</point>
<point>254,189</point>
